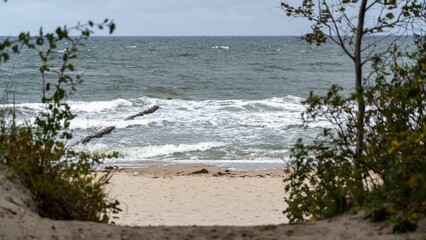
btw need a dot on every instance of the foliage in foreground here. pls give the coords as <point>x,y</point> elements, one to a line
<point>389,179</point>
<point>60,180</point>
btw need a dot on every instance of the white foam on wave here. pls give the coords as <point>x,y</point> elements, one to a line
<point>97,106</point>
<point>278,111</point>
<point>133,153</point>
<point>99,123</point>
<point>169,149</point>
<point>231,114</point>
<point>291,98</point>
<point>279,102</point>
<point>236,129</point>
<point>222,118</point>
<point>26,106</point>
<point>94,106</point>
<point>220,47</point>
<point>275,112</point>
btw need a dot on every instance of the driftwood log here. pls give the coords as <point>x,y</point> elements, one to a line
<point>108,130</point>
<point>99,134</point>
<point>148,111</point>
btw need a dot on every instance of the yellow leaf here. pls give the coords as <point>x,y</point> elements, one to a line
<point>412,181</point>
<point>391,210</point>
<point>424,66</point>
<point>397,68</point>
<point>420,138</point>
<point>394,146</point>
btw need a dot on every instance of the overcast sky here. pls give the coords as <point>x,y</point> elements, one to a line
<point>153,17</point>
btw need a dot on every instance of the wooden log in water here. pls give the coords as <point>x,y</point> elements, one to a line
<point>99,134</point>
<point>148,111</point>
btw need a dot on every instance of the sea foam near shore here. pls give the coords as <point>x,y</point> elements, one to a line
<point>194,131</point>
<point>210,131</point>
<point>232,98</point>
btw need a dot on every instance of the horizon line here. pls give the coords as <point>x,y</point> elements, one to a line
<point>94,35</point>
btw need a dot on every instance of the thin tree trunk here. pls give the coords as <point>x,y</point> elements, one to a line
<point>359,83</point>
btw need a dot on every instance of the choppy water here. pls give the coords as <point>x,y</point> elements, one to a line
<point>235,101</point>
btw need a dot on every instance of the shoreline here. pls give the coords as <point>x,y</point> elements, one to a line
<point>232,165</point>
<point>198,194</point>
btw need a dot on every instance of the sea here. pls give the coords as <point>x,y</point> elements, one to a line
<point>233,102</point>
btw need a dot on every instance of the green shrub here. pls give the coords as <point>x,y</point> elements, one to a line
<point>61,180</point>
<point>389,179</point>
<point>322,181</point>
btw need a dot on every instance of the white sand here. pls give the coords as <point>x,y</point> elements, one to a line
<point>202,199</point>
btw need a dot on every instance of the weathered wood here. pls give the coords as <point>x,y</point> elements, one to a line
<point>99,134</point>
<point>148,111</point>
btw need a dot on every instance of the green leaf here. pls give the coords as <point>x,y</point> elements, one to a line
<point>85,33</point>
<point>111,28</point>
<point>59,32</point>
<point>15,48</point>
<point>5,57</point>
<point>22,37</point>
<point>40,41</point>
<point>390,16</point>
<point>70,67</point>
<point>42,57</point>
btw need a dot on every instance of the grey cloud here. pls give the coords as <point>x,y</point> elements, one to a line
<point>153,17</point>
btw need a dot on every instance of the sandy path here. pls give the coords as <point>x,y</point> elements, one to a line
<point>19,221</point>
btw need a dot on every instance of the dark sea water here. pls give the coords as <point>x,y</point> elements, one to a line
<point>235,101</point>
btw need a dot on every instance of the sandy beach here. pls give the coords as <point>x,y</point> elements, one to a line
<point>181,204</point>
<point>198,195</point>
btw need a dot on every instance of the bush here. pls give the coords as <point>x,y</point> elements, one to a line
<point>389,179</point>
<point>61,180</point>
<point>322,180</point>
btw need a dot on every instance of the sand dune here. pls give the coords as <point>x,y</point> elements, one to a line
<point>18,220</point>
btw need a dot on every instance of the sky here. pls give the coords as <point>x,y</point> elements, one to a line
<point>154,17</point>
